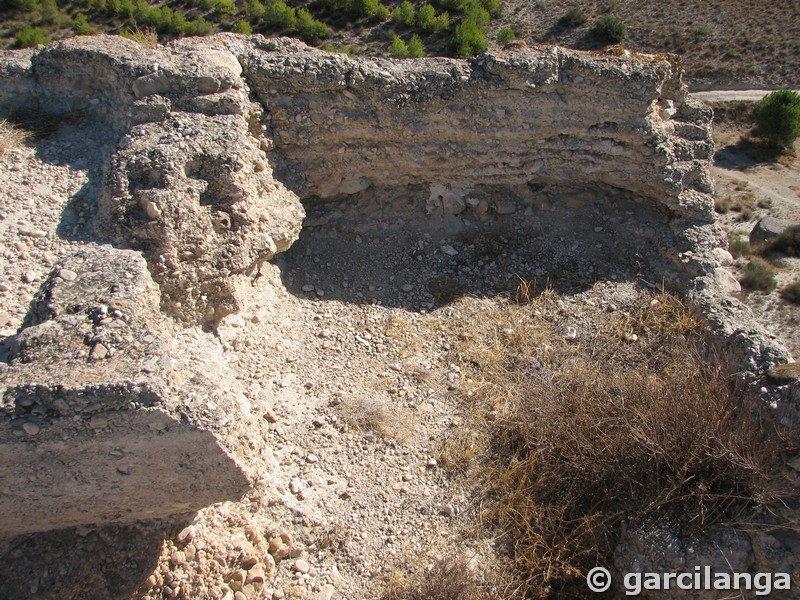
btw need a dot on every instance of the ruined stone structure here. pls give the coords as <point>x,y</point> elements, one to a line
<point>212,144</point>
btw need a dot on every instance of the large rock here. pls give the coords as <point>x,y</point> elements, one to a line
<point>95,428</point>
<point>766,229</point>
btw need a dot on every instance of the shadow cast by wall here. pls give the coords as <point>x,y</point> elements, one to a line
<point>84,564</point>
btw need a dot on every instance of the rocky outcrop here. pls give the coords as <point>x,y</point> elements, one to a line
<point>93,405</point>
<point>515,119</point>
<point>189,185</point>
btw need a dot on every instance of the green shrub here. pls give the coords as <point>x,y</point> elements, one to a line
<point>778,117</point>
<point>254,9</point>
<point>279,15</point>
<point>242,26</point>
<point>787,243</point>
<point>198,26</point>
<point>506,35</point>
<point>113,7</point>
<point>368,9</point>
<point>25,5</point>
<point>491,6</point>
<point>468,39</point>
<point>309,28</point>
<point>474,10</point>
<point>759,275</point>
<point>738,246</point>
<point>609,30</point>
<point>398,48</point>
<point>50,12</point>
<point>574,17</point>
<point>224,7</point>
<point>426,17</point>
<point>442,22</point>
<point>81,25</point>
<point>416,49</point>
<point>404,14</point>
<point>28,37</point>
<point>126,9</point>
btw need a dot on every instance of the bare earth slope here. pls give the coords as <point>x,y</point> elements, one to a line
<point>724,44</point>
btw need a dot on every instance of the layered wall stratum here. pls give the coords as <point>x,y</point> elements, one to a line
<point>212,144</point>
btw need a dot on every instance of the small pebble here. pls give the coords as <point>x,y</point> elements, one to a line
<point>30,428</point>
<point>67,275</point>
<point>301,566</point>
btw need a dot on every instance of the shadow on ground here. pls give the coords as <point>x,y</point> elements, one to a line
<point>384,248</point>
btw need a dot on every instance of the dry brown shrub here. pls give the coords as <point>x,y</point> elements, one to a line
<point>448,578</point>
<point>11,137</point>
<point>579,437</point>
<point>369,412</point>
<point>145,37</point>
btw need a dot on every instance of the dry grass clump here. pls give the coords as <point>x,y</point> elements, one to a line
<point>145,37</point>
<point>578,437</point>
<point>759,275</point>
<point>11,137</point>
<point>791,292</point>
<point>448,578</point>
<point>371,413</point>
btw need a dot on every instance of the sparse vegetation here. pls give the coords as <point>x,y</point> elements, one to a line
<point>787,243</point>
<point>404,14</point>
<point>759,275</point>
<point>506,35</point>
<point>609,30</point>
<point>447,578</point>
<point>738,245</point>
<point>398,48</point>
<point>416,49</point>
<point>791,292</point>
<point>309,28</point>
<point>574,17</point>
<point>11,137</point>
<point>778,117</point>
<point>146,37</point>
<point>566,456</point>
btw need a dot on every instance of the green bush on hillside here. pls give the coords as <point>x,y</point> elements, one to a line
<point>506,35</point>
<point>609,30</point>
<point>368,9</point>
<point>778,117</point>
<point>574,17</point>
<point>416,49</point>
<point>468,39</point>
<point>398,48</point>
<point>28,37</point>
<point>242,26</point>
<point>404,14</point>
<point>81,25</point>
<point>280,16</point>
<point>24,5</point>
<point>474,10</point>
<point>309,28</point>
